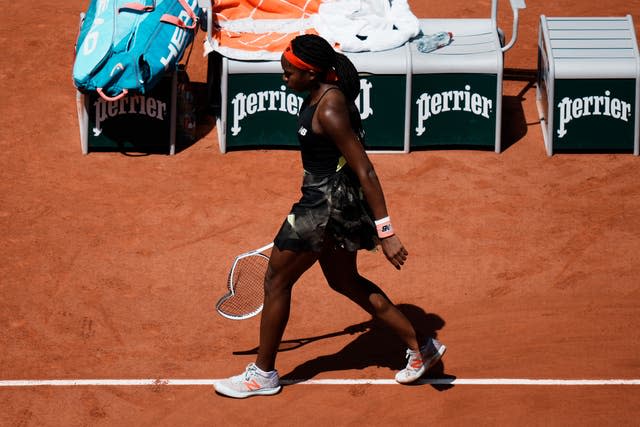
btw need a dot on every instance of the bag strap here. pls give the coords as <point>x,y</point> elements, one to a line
<point>174,20</point>
<point>111,98</point>
<point>117,69</point>
<point>186,61</point>
<point>138,7</point>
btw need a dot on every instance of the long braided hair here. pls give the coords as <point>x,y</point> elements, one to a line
<point>316,51</point>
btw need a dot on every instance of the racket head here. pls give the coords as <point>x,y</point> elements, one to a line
<point>245,284</point>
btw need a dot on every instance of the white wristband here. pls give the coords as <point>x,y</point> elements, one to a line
<point>384,227</point>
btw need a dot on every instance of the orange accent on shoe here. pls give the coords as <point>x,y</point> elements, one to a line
<point>252,385</point>
<point>416,363</point>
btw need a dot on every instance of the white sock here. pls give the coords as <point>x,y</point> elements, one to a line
<point>266,374</point>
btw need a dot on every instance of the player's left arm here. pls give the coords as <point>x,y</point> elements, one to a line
<point>333,120</point>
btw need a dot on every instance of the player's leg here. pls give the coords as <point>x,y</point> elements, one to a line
<point>261,378</point>
<point>340,269</point>
<point>285,268</point>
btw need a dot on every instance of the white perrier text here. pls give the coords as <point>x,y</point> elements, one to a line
<point>585,106</point>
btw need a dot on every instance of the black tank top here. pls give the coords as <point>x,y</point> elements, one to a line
<point>320,156</point>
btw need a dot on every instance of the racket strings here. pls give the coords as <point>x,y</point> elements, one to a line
<point>246,283</point>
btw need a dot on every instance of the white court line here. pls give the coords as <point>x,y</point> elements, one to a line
<point>433,381</point>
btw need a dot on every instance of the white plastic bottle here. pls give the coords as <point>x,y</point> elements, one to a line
<point>430,42</point>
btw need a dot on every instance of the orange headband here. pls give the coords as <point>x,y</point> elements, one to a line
<point>297,62</point>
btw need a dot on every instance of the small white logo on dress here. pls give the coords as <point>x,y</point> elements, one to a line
<point>302,131</point>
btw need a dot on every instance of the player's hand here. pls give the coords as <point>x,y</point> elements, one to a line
<point>394,251</point>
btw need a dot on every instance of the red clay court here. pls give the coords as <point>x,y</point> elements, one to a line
<point>526,266</point>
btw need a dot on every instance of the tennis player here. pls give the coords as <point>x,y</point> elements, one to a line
<point>342,210</point>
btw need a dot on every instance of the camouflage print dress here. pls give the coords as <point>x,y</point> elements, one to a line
<point>330,207</point>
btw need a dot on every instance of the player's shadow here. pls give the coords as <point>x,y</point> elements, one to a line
<point>375,345</point>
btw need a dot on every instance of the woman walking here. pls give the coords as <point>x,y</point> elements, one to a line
<point>342,210</point>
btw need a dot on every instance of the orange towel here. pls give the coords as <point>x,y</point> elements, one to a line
<point>261,29</point>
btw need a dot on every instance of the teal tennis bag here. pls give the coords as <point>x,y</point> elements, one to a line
<point>126,46</point>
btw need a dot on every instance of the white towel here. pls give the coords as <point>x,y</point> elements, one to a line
<point>366,25</point>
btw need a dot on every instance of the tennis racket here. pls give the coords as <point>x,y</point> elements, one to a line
<point>245,285</point>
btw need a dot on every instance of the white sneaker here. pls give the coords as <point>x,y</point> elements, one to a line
<point>250,383</point>
<point>418,362</point>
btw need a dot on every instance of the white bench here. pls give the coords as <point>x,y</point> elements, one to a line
<point>588,91</point>
<point>457,90</point>
<point>408,99</point>
<point>257,109</point>
<point>134,122</point>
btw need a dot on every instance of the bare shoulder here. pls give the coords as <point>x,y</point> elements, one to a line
<point>335,122</point>
<point>333,103</point>
<point>334,98</point>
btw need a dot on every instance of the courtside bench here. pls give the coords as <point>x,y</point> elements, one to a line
<point>145,123</point>
<point>134,122</point>
<point>456,94</point>
<point>408,99</point>
<point>257,110</point>
<point>588,90</point>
